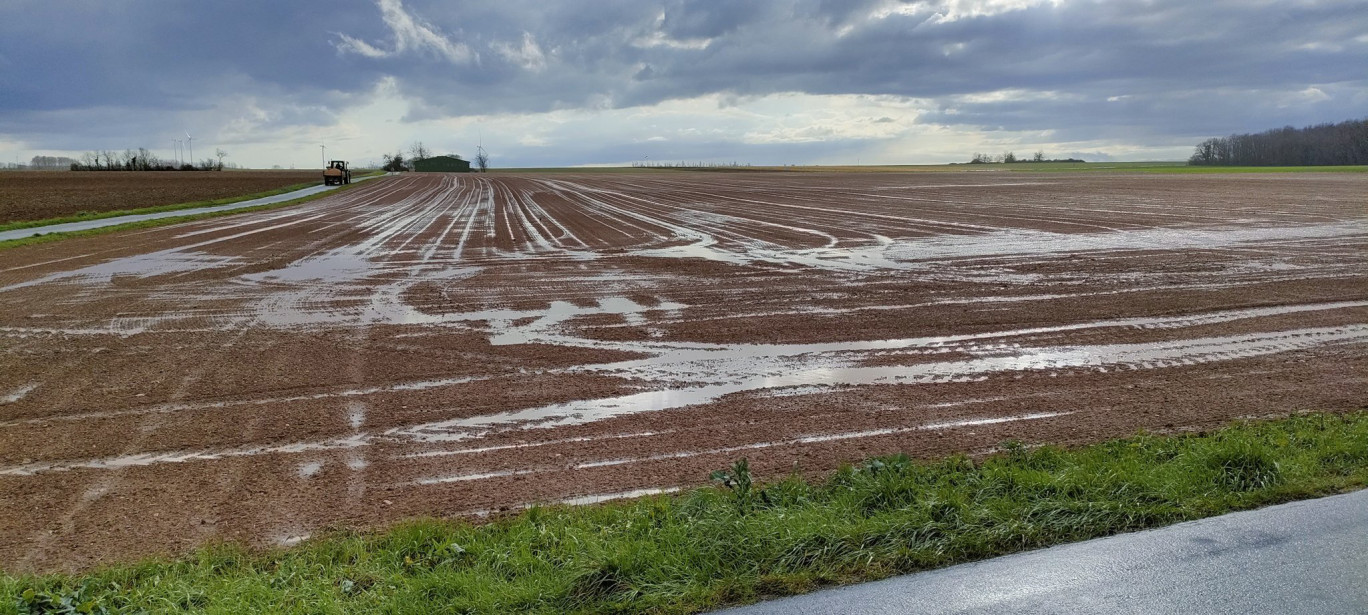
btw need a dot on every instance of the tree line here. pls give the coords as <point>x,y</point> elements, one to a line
<point>655,164</point>
<point>143,160</point>
<point>50,162</point>
<point>1011,157</point>
<point>1345,143</point>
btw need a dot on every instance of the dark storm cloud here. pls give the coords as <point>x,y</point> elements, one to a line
<point>1186,67</point>
<point>698,48</point>
<point>1144,71</point>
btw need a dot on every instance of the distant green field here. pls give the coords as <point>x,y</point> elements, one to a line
<point>1325,169</point>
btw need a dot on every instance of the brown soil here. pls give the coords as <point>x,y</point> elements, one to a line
<point>459,345</point>
<point>39,195</point>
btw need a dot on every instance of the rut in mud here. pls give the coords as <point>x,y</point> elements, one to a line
<point>465,344</point>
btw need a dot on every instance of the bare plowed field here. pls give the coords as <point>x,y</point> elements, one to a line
<point>464,345</point>
<point>39,195</point>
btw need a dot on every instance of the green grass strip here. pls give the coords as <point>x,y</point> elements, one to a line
<point>1183,169</point>
<point>101,215</point>
<point>50,237</point>
<point>739,543</point>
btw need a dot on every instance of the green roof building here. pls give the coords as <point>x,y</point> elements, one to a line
<point>442,164</point>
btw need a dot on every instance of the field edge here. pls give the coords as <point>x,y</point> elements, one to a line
<point>740,542</point>
<point>142,224</point>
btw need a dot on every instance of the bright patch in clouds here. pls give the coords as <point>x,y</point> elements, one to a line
<point>410,35</point>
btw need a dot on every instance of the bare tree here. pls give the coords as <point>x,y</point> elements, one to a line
<point>220,154</point>
<point>482,159</point>
<point>418,152</point>
<point>1038,157</point>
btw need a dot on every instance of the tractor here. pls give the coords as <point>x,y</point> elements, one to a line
<point>336,173</point>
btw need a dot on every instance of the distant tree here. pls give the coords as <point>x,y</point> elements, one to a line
<point>394,163</point>
<point>482,159</point>
<point>1205,153</point>
<point>50,162</point>
<point>1009,157</point>
<point>418,152</point>
<point>220,154</point>
<point>1038,157</point>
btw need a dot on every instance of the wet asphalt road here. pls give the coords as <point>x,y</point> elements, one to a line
<point>1302,557</point>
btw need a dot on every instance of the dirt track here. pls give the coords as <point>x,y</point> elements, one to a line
<point>443,345</point>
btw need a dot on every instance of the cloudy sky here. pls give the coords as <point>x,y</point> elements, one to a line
<point>552,83</point>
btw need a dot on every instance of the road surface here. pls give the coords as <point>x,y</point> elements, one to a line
<point>1303,557</point>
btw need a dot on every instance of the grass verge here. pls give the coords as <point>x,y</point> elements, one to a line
<point>742,541</point>
<point>101,215</point>
<point>50,237</point>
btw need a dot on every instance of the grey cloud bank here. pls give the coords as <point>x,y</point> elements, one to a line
<point>611,82</point>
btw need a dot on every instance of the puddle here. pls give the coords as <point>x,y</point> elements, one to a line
<point>750,373</point>
<point>307,470</point>
<point>460,478</point>
<point>912,253</point>
<point>289,538</point>
<point>140,266</point>
<point>18,393</point>
<point>525,445</point>
<point>147,459</point>
<point>702,374</point>
<point>356,413</point>
<point>584,500</point>
<point>820,438</point>
<point>812,439</point>
<point>545,327</point>
<point>338,266</point>
<point>994,420</point>
<point>421,385</point>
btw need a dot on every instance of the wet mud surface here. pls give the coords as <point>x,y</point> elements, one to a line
<point>465,345</point>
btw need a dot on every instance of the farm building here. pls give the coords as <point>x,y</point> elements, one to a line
<point>442,164</point>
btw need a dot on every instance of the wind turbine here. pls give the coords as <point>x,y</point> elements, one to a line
<point>191,143</point>
<point>323,153</point>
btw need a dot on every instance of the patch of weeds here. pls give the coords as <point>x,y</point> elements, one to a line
<point>84,599</point>
<point>1245,467</point>
<point>737,481</point>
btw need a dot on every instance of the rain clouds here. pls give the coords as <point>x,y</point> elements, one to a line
<point>619,81</point>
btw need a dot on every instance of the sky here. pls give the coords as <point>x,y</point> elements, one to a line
<point>564,83</point>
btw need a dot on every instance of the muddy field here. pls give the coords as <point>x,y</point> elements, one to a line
<point>38,195</point>
<point>464,345</point>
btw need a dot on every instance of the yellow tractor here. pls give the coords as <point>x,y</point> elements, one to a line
<point>337,173</point>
